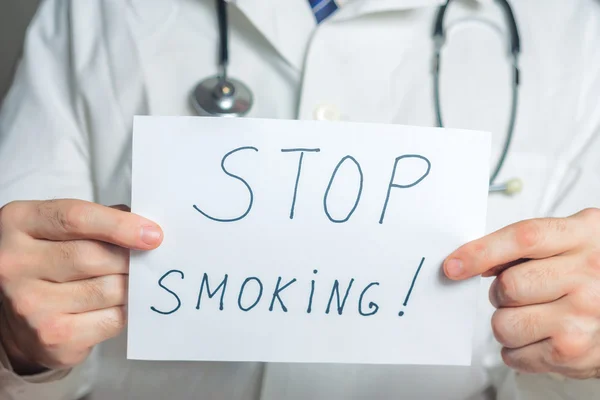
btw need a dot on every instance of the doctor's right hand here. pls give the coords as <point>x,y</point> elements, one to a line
<point>63,278</point>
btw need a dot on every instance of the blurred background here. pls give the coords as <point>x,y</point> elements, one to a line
<point>14,18</point>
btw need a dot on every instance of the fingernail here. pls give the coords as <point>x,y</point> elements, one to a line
<point>150,235</point>
<point>454,268</point>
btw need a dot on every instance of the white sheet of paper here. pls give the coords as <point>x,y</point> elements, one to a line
<point>371,315</point>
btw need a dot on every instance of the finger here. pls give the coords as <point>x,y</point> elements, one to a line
<point>532,239</point>
<point>564,354</point>
<point>529,359</point>
<point>535,282</point>
<point>80,259</point>
<point>77,219</point>
<point>92,294</point>
<point>501,268</point>
<point>62,359</point>
<point>95,327</point>
<point>522,326</point>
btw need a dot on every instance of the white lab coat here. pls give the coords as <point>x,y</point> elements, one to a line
<point>89,66</point>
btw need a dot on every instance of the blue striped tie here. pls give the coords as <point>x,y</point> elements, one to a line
<point>322,9</point>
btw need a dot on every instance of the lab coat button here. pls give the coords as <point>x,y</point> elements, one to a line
<point>327,112</point>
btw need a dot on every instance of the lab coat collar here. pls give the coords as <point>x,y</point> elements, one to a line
<point>289,24</point>
<point>355,8</point>
<point>286,24</point>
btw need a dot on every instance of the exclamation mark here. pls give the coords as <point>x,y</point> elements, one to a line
<point>412,285</point>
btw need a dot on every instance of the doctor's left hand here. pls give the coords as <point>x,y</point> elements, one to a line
<point>546,291</point>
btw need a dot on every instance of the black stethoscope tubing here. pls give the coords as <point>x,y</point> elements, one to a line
<point>439,37</point>
<point>224,96</point>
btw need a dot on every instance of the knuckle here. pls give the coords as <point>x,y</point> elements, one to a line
<point>507,287</point>
<point>68,252</point>
<point>575,330</point>
<point>119,287</point>
<point>586,298</point>
<point>508,358</point>
<point>591,214</point>
<point>528,234</point>
<point>515,360</point>
<point>49,211</point>
<point>75,217</point>
<point>538,276</point>
<point>560,354</point>
<point>11,213</point>
<point>514,328</point>
<point>112,323</point>
<point>53,332</point>
<point>92,292</point>
<point>527,326</point>
<point>499,327</point>
<point>87,257</point>
<point>568,347</point>
<point>66,217</point>
<point>478,250</point>
<point>593,261</point>
<point>24,305</point>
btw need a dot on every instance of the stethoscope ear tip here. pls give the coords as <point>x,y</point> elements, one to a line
<point>510,188</point>
<point>514,186</point>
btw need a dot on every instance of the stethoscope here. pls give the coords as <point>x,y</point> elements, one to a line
<point>224,96</point>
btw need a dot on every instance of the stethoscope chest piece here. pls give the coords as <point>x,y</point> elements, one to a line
<point>220,97</point>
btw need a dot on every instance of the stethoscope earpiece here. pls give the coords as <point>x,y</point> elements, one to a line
<point>509,188</point>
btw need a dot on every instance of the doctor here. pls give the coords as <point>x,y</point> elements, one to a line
<point>65,132</point>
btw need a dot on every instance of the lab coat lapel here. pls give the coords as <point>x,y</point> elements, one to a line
<point>288,25</point>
